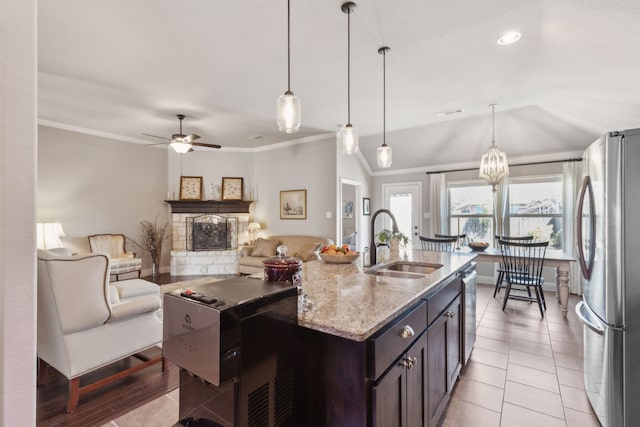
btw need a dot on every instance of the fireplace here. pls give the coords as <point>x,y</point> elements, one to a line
<point>211,232</point>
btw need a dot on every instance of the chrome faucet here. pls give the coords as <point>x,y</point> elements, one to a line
<point>372,244</point>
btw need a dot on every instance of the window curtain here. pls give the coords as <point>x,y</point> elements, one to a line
<point>572,176</point>
<point>439,204</point>
<point>500,206</point>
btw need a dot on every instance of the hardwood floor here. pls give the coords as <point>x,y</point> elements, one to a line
<point>107,403</point>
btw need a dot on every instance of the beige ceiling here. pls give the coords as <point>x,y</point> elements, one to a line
<point>121,68</point>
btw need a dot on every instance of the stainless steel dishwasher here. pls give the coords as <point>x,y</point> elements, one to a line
<point>470,281</point>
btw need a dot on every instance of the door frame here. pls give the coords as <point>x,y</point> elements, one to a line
<point>357,210</point>
<point>413,187</point>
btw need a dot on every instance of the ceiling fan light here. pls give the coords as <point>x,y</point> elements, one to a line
<point>289,112</point>
<point>348,139</point>
<point>384,156</point>
<point>180,147</point>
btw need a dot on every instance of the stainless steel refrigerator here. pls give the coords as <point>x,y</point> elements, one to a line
<point>608,234</point>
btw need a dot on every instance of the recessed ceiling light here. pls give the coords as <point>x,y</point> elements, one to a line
<point>509,38</point>
<point>256,137</point>
<point>449,113</point>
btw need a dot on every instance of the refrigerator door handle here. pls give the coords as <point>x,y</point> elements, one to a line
<point>590,321</point>
<point>586,191</point>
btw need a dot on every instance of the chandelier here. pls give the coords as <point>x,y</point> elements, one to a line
<point>493,163</point>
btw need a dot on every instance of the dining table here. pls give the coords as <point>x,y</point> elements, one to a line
<point>553,258</point>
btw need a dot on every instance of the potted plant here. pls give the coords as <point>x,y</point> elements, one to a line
<point>392,240</point>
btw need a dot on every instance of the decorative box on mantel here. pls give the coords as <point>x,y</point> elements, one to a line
<point>188,262</point>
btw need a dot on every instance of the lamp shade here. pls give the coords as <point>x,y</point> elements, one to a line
<point>384,156</point>
<point>48,235</point>
<point>253,226</point>
<point>288,112</point>
<point>348,139</point>
<point>180,147</point>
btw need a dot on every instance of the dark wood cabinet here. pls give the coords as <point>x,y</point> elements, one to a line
<point>401,376</point>
<point>399,396</point>
<point>444,359</point>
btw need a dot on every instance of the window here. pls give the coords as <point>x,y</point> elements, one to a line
<point>471,210</point>
<point>535,209</point>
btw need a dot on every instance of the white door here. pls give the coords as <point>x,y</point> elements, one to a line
<point>404,200</point>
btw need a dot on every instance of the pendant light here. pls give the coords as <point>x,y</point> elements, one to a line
<point>288,107</point>
<point>348,135</point>
<point>493,163</point>
<point>384,154</point>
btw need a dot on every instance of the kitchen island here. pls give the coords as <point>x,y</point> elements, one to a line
<point>379,349</point>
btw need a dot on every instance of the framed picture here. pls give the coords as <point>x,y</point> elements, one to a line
<point>293,204</point>
<point>347,209</point>
<point>232,188</point>
<point>366,206</point>
<point>190,188</point>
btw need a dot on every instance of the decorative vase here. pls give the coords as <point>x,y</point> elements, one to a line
<point>383,254</point>
<point>394,248</point>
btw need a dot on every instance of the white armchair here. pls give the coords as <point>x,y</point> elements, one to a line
<point>80,329</point>
<point>114,245</point>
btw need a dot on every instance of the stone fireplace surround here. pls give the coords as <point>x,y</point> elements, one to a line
<point>184,262</point>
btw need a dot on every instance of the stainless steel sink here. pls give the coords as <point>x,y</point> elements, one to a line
<point>405,270</point>
<point>413,267</point>
<point>396,274</point>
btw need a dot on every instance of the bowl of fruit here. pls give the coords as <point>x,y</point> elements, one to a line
<point>338,254</point>
<point>478,246</point>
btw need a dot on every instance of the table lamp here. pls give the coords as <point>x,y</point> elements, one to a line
<point>253,227</point>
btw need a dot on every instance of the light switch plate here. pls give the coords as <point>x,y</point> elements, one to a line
<point>328,214</point>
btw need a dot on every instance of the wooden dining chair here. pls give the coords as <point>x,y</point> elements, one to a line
<point>523,263</point>
<point>439,244</point>
<point>461,238</point>
<point>500,279</point>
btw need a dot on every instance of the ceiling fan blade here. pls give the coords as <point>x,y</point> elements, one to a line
<point>202,144</point>
<point>156,136</point>
<point>157,143</point>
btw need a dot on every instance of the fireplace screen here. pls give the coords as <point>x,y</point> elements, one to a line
<point>212,233</point>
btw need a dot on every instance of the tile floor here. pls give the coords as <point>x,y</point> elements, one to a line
<point>524,371</point>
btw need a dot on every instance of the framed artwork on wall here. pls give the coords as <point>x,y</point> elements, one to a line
<point>190,188</point>
<point>366,206</point>
<point>347,209</point>
<point>293,204</point>
<point>232,188</point>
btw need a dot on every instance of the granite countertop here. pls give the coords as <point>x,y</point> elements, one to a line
<point>342,300</point>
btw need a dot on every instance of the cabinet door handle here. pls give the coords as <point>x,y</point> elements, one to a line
<point>407,332</point>
<point>408,362</point>
<point>449,314</point>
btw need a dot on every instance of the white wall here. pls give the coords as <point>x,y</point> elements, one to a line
<point>97,185</point>
<point>17,212</point>
<point>211,165</point>
<point>309,166</point>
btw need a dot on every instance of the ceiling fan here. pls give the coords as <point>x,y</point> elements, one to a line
<point>182,143</point>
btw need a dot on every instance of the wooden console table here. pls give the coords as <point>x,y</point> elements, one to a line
<point>553,258</point>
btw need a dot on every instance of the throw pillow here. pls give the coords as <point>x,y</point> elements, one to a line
<point>307,251</point>
<point>265,247</point>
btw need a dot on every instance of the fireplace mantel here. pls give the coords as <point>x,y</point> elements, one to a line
<point>209,206</point>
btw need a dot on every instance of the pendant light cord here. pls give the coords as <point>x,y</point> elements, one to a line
<point>349,66</point>
<point>384,97</point>
<point>288,45</point>
<point>493,124</point>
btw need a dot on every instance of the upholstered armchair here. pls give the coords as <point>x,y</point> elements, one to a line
<point>83,326</point>
<point>114,245</point>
